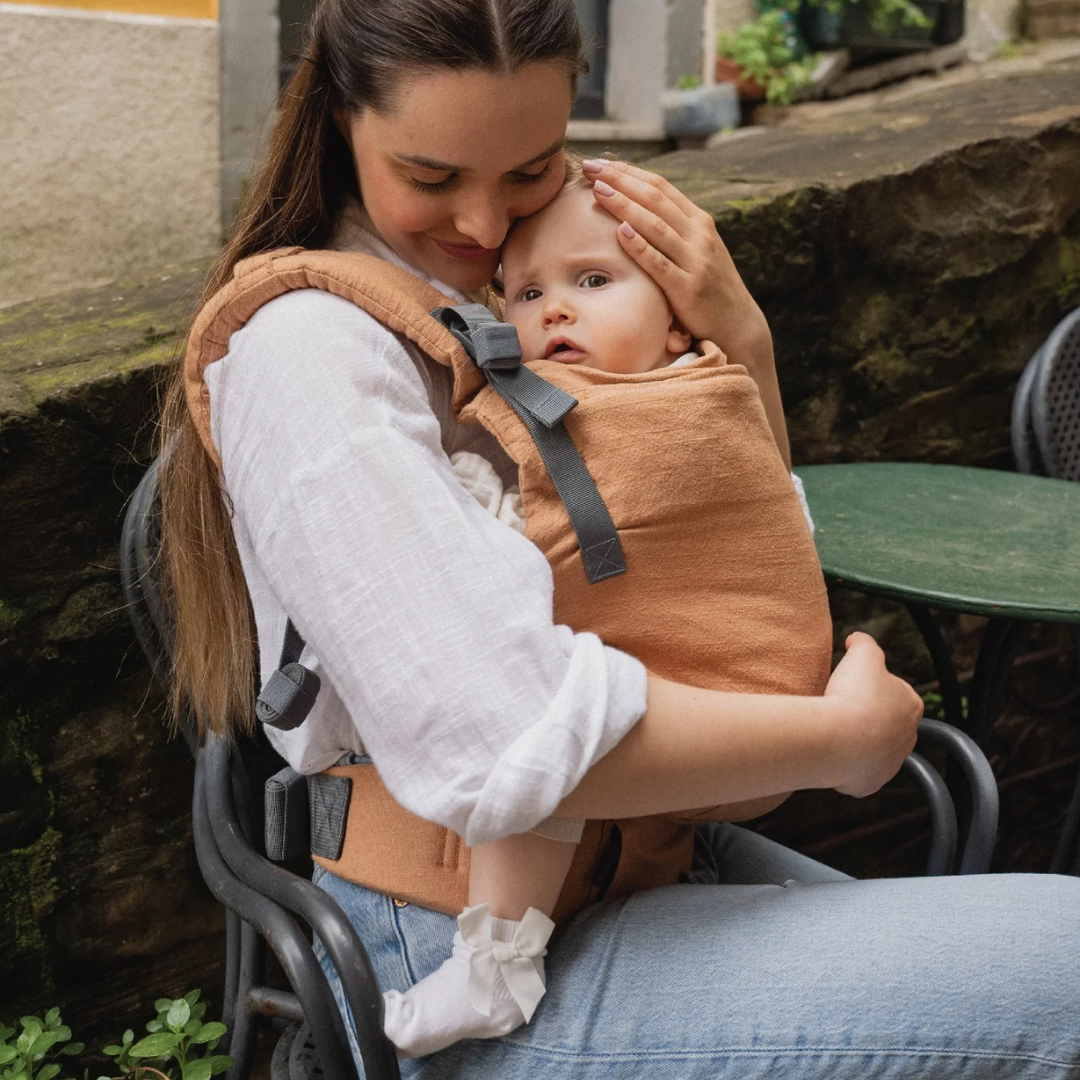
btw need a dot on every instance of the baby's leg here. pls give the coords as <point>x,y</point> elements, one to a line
<point>494,978</point>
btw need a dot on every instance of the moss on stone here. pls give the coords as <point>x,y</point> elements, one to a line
<point>28,891</point>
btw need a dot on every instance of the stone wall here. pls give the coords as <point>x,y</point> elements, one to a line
<point>909,259</point>
<point>109,136</point>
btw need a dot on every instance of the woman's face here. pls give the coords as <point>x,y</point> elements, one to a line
<point>457,157</point>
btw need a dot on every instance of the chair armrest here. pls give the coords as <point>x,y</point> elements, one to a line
<point>982,832</point>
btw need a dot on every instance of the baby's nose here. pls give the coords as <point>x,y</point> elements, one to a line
<point>556,311</point>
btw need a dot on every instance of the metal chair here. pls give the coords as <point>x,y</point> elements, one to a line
<point>1046,442</point>
<point>263,900</point>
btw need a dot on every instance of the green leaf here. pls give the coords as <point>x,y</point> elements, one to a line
<point>179,1015</point>
<point>155,1025</point>
<point>157,1045</point>
<point>8,1053</point>
<point>129,1037</point>
<point>208,1033</point>
<point>219,1063</point>
<point>192,1027</point>
<point>44,1043</point>
<point>5,1032</point>
<point>22,1044</point>
<point>200,1069</point>
<point>48,1072</point>
<point>63,1032</point>
<point>163,1005</point>
<point>112,1050</point>
<point>33,1021</point>
<point>72,1049</point>
<point>52,1018</point>
<point>192,996</point>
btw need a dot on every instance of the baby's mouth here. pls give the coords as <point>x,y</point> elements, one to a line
<point>564,351</point>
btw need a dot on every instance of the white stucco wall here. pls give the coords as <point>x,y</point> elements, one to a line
<point>109,146</point>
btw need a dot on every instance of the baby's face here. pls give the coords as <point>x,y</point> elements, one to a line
<point>576,297</point>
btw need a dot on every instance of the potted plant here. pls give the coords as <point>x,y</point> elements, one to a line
<point>762,60</point>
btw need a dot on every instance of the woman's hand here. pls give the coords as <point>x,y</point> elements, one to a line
<point>878,715</point>
<point>677,245</point>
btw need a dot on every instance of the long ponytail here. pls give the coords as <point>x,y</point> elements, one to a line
<point>356,51</point>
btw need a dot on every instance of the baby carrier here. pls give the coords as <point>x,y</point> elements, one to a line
<point>669,521</point>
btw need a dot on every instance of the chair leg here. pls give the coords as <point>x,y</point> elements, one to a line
<point>245,1024</point>
<point>232,972</point>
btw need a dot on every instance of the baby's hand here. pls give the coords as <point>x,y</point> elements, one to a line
<point>878,716</point>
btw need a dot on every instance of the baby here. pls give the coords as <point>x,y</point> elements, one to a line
<point>575,297</point>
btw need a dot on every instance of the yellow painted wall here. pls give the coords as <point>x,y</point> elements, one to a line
<point>183,9</point>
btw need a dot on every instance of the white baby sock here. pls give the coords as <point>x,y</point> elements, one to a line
<point>491,985</point>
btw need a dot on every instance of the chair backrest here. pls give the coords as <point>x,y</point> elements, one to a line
<point>1022,431</point>
<point>1055,400</point>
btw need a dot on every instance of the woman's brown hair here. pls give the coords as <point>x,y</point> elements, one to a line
<point>356,52</point>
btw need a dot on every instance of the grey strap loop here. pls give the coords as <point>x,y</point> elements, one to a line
<point>290,692</point>
<point>542,407</point>
<point>497,352</point>
<point>287,697</point>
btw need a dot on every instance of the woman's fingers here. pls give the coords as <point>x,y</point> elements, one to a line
<point>662,232</point>
<point>646,187</point>
<point>671,278</point>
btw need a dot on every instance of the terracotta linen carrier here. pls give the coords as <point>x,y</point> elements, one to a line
<point>723,589</point>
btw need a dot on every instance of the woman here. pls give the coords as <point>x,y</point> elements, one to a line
<point>445,120</point>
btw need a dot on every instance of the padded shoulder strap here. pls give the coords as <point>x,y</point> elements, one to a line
<point>396,298</point>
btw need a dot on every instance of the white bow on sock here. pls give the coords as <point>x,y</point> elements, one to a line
<point>489,986</point>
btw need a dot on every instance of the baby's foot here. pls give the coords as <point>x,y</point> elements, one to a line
<point>490,985</point>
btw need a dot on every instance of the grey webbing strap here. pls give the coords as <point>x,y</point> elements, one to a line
<point>497,352</point>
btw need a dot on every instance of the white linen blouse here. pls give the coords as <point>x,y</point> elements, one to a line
<point>428,620</point>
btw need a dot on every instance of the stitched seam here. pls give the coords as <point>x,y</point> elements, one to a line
<point>659,1055</point>
<point>403,949</point>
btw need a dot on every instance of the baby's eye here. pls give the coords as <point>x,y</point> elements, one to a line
<point>595,281</point>
<point>531,294</point>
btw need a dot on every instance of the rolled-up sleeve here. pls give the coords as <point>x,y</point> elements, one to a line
<point>430,619</point>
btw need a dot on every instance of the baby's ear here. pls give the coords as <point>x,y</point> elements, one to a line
<point>678,338</point>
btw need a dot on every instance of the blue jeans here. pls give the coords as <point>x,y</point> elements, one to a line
<point>772,965</point>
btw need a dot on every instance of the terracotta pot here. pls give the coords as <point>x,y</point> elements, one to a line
<point>728,71</point>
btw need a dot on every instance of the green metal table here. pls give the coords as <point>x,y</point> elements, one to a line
<point>999,544</point>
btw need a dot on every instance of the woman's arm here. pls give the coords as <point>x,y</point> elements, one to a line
<point>700,747</point>
<point>677,244</point>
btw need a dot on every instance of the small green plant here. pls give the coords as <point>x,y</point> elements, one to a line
<point>33,1052</point>
<point>689,82</point>
<point>934,706</point>
<point>765,53</point>
<point>179,1045</point>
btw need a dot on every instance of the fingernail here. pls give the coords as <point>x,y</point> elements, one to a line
<point>592,165</point>
<point>627,230</point>
<point>602,188</point>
